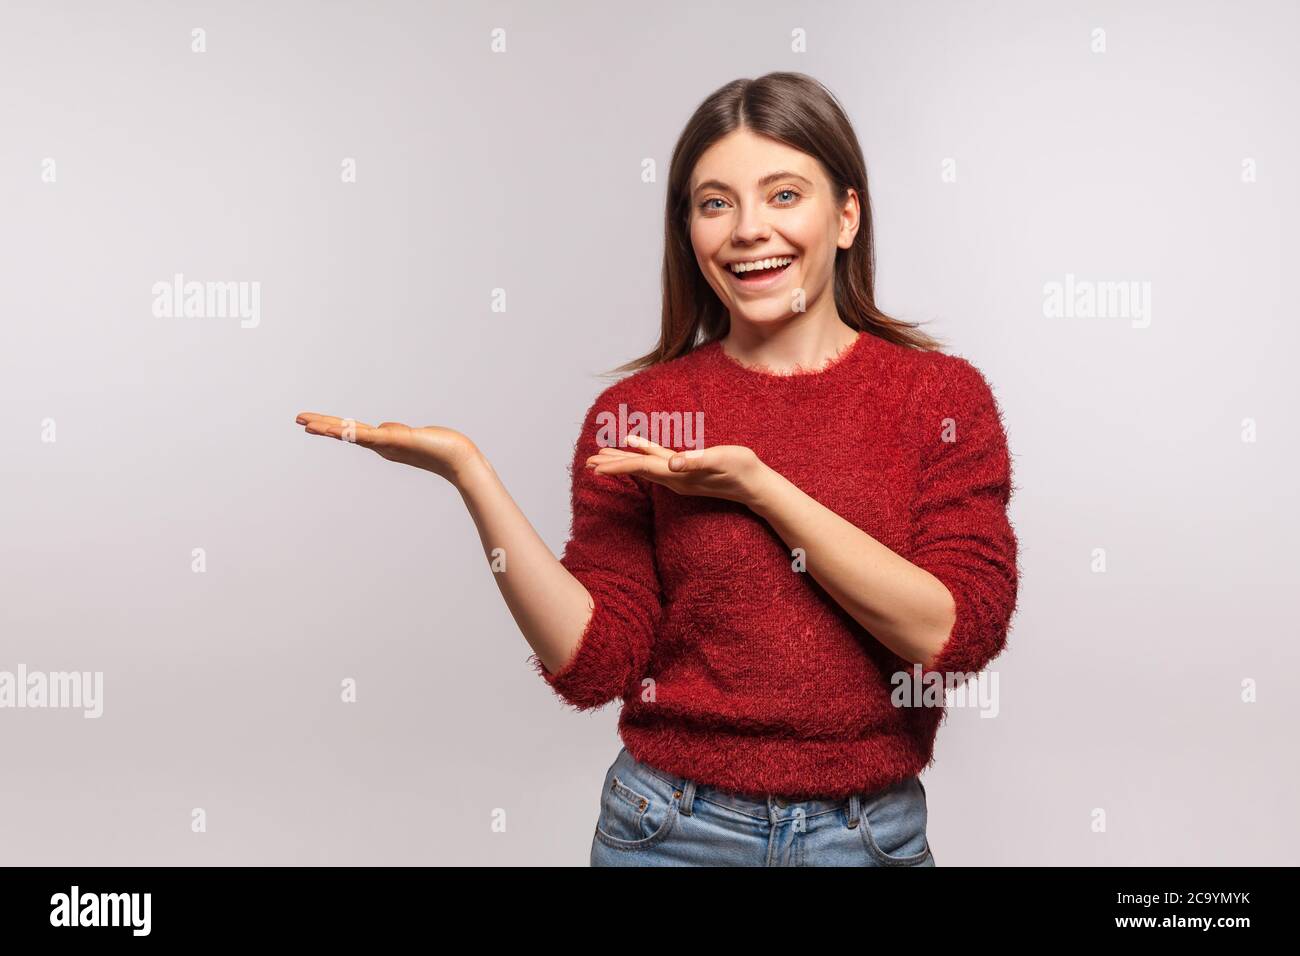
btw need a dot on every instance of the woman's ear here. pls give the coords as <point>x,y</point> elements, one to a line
<point>850,219</point>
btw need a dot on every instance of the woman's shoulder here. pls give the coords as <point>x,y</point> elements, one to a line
<point>948,378</point>
<point>950,388</point>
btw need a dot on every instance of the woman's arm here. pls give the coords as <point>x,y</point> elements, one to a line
<point>590,616</point>
<point>905,607</point>
<point>949,608</point>
<point>549,604</point>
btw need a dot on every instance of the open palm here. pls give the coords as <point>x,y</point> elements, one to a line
<point>442,451</point>
<point>722,471</point>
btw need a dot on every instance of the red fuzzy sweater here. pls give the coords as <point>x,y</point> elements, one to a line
<point>735,668</point>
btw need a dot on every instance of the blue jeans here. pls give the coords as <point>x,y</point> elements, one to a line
<point>652,818</point>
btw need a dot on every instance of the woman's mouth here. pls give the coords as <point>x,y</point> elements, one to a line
<point>762,274</point>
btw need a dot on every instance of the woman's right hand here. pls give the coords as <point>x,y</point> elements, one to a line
<point>443,451</point>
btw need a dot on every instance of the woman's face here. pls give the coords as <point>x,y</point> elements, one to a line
<point>741,212</point>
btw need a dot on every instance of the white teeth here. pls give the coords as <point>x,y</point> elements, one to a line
<point>741,267</point>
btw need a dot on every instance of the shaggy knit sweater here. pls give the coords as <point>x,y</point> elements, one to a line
<point>735,667</point>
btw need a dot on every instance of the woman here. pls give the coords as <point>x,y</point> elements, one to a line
<point>769,604</point>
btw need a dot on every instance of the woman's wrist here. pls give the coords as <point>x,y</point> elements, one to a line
<point>472,471</point>
<point>761,488</point>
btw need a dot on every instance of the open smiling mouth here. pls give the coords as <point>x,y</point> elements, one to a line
<point>758,277</point>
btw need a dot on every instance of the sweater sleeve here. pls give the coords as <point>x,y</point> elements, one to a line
<point>962,534</point>
<point>611,551</point>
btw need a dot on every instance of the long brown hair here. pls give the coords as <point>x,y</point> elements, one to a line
<point>797,110</point>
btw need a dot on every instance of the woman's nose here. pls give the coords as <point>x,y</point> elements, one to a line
<point>751,227</point>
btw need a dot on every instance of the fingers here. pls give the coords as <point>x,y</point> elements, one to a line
<point>355,434</point>
<point>343,429</point>
<point>307,418</point>
<point>678,461</point>
<point>650,466</point>
<point>645,448</point>
<point>614,461</point>
<point>692,460</point>
<point>610,454</point>
<point>646,445</point>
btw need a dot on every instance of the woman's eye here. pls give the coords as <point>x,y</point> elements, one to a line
<point>794,195</point>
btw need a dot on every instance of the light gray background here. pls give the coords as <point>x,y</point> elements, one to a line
<point>521,171</point>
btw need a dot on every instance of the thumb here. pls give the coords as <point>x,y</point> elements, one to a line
<point>687,460</point>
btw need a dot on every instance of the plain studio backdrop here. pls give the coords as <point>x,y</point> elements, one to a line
<point>1146,703</point>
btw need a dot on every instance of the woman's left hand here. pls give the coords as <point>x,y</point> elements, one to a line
<point>732,472</point>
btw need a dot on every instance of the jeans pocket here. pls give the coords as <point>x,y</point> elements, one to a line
<point>637,808</point>
<point>894,824</point>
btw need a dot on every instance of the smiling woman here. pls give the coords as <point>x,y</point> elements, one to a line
<point>769,168</point>
<point>751,602</point>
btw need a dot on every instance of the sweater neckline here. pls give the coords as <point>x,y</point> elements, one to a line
<point>800,378</point>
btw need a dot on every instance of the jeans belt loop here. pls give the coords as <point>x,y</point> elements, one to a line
<point>688,798</point>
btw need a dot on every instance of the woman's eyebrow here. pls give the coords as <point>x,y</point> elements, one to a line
<point>765,181</point>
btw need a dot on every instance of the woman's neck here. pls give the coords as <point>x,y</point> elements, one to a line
<point>796,345</point>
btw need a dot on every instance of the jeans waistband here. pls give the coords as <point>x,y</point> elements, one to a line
<point>764,807</point>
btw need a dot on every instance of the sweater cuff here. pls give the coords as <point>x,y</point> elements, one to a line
<point>584,682</point>
<point>979,632</point>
